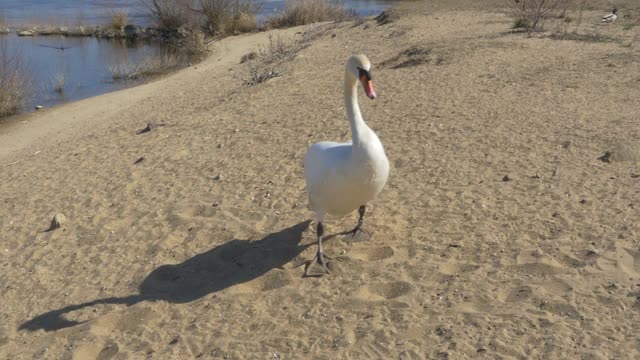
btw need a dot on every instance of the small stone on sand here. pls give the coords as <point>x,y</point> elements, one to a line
<point>57,222</point>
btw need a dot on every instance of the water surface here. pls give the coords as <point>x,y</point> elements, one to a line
<point>82,69</point>
<point>79,71</point>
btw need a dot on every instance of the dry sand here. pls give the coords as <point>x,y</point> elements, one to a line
<point>164,260</point>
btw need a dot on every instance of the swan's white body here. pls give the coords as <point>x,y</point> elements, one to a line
<point>341,177</point>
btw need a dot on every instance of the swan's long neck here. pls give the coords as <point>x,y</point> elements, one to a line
<point>358,126</point>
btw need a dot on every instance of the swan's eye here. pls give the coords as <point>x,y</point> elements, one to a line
<point>364,74</point>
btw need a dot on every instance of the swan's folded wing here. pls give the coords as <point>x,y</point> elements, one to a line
<point>323,163</point>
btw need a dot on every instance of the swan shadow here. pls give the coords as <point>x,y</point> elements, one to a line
<point>232,263</point>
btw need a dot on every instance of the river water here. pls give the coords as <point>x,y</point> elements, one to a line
<point>82,69</point>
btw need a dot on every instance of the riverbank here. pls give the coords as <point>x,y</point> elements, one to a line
<point>41,62</point>
<point>129,32</point>
<point>501,234</point>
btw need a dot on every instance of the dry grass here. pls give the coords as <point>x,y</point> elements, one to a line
<point>15,84</point>
<point>586,37</point>
<point>269,61</point>
<point>194,44</point>
<point>58,81</point>
<point>266,63</point>
<point>161,64</point>
<point>242,23</point>
<point>243,17</point>
<point>229,16</point>
<point>118,19</point>
<point>3,22</point>
<point>169,14</point>
<point>531,14</point>
<point>302,12</point>
<point>216,12</point>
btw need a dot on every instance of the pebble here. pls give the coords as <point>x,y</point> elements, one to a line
<point>57,222</point>
<point>217,177</point>
<point>39,107</point>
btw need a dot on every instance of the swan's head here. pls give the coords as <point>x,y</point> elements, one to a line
<point>359,68</point>
<point>615,11</point>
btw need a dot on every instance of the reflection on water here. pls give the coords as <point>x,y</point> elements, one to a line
<point>69,12</point>
<point>81,70</point>
<point>94,12</point>
<point>72,68</point>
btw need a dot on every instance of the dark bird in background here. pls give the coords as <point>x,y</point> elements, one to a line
<point>61,48</point>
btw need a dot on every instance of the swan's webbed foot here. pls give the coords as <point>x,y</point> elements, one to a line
<point>357,234</point>
<point>320,256</point>
<point>321,260</point>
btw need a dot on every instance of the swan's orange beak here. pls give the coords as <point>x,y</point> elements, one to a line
<point>368,87</point>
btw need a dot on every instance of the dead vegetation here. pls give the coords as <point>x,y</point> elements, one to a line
<point>413,56</point>
<point>169,14</point>
<point>268,62</point>
<point>303,12</point>
<point>229,16</point>
<point>215,17</point>
<point>531,14</point>
<point>15,84</point>
<point>58,80</point>
<point>118,19</point>
<point>586,37</point>
<point>194,44</point>
<point>386,17</point>
<point>161,64</point>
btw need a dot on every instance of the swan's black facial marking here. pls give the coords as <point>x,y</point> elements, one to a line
<point>367,84</point>
<point>362,73</point>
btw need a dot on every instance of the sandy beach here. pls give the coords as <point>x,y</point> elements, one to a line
<point>501,234</point>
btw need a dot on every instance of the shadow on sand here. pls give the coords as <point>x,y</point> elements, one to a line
<point>234,262</point>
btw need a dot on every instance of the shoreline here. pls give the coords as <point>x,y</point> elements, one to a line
<point>22,129</point>
<point>131,32</point>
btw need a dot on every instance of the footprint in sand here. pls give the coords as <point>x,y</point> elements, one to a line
<point>373,253</point>
<point>273,280</point>
<point>196,209</point>
<point>388,291</point>
<point>108,352</point>
<point>633,261</point>
<point>520,293</point>
<point>536,262</point>
<point>451,268</point>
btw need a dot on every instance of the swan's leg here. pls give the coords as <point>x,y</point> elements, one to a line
<point>357,234</point>
<point>320,256</point>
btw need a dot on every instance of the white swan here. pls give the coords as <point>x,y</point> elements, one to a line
<point>611,17</point>
<point>343,177</point>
